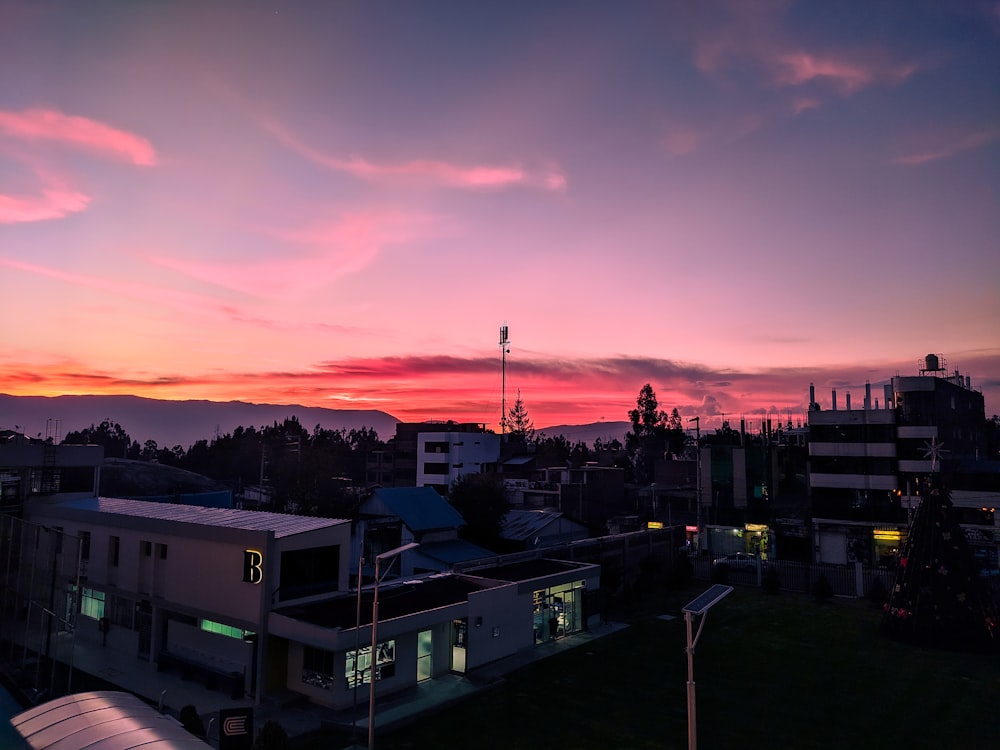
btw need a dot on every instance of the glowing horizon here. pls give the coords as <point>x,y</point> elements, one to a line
<point>339,205</point>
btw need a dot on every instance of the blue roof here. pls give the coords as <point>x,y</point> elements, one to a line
<point>420,508</point>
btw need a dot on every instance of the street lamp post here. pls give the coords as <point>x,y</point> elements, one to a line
<point>699,606</point>
<point>391,555</point>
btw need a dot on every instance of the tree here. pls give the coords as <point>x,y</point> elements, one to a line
<point>116,442</point>
<point>481,500</point>
<point>939,600</point>
<point>647,439</point>
<point>519,424</point>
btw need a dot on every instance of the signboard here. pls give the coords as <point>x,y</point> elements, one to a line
<point>253,571</point>
<point>236,728</point>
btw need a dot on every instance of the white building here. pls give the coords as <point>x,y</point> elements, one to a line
<point>259,603</point>
<point>443,457</point>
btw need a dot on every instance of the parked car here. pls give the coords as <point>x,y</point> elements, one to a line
<point>740,561</point>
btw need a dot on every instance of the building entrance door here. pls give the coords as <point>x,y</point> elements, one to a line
<point>425,655</point>
<point>459,639</point>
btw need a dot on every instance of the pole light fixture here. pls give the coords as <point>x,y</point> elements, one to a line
<point>698,607</point>
<point>391,556</point>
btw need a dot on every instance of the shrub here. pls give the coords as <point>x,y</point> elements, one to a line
<point>191,721</point>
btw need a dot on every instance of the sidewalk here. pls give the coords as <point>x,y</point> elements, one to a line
<point>116,663</point>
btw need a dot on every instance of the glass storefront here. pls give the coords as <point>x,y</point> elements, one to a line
<point>558,611</point>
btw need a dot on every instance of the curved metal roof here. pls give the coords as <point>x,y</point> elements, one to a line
<point>102,720</point>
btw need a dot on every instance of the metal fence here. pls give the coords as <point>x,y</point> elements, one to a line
<point>851,580</point>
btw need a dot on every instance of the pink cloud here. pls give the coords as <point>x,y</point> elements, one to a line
<point>947,149</point>
<point>81,132</point>
<point>848,75</point>
<point>329,251</point>
<point>426,171</point>
<point>50,204</point>
<point>755,33</point>
<point>803,105</point>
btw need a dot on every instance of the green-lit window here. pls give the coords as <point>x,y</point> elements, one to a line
<point>226,630</point>
<point>92,603</point>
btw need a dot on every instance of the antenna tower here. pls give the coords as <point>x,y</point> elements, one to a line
<point>504,351</point>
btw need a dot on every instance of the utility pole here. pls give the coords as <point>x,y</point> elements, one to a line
<point>504,351</point>
<point>697,499</point>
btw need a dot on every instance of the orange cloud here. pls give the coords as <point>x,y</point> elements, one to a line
<point>555,391</point>
<point>425,171</point>
<point>80,132</point>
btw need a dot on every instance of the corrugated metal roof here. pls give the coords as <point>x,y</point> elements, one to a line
<point>525,524</point>
<point>102,720</point>
<point>282,524</point>
<point>420,508</point>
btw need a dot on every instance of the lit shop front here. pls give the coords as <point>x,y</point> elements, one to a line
<point>558,610</point>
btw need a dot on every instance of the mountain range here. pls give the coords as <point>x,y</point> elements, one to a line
<point>183,423</point>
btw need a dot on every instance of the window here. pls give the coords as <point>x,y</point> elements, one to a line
<point>92,603</point>
<point>385,664</point>
<point>435,468</point>
<point>217,627</point>
<point>114,545</point>
<point>147,549</point>
<point>163,551</point>
<point>84,545</point>
<point>317,667</point>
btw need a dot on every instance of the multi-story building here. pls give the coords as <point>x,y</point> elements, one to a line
<point>434,454</point>
<point>866,465</point>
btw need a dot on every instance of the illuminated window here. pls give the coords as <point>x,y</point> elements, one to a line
<point>92,603</point>
<point>227,630</point>
<point>385,664</point>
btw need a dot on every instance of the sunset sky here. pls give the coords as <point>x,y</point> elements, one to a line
<point>339,203</point>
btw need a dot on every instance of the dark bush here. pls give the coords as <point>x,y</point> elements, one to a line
<point>191,721</point>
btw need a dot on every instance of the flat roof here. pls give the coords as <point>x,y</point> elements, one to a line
<point>282,524</point>
<point>526,570</point>
<point>395,599</point>
<point>102,720</point>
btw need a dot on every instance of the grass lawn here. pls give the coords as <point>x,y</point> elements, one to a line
<point>777,671</point>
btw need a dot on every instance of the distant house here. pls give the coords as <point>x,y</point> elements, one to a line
<point>393,516</point>
<point>533,529</point>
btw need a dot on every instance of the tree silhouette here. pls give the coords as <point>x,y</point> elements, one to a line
<point>939,600</point>
<point>519,424</point>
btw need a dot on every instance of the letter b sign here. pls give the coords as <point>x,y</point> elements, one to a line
<point>252,570</point>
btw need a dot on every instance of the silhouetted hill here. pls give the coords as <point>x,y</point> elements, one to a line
<point>574,433</point>
<point>172,423</point>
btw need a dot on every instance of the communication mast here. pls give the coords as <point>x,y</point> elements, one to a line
<point>504,351</point>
